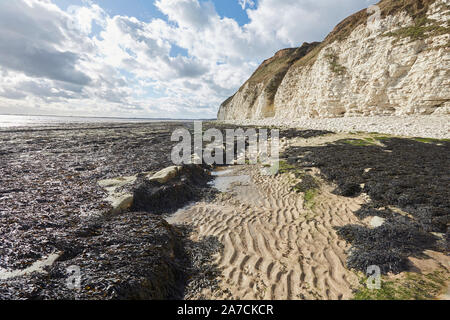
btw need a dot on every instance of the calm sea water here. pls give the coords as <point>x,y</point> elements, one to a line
<point>7,121</point>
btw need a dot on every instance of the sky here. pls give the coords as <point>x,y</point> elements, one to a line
<point>146,58</point>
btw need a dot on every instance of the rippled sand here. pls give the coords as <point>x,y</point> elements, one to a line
<point>275,247</point>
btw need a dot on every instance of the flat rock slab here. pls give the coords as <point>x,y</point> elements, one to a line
<point>165,175</point>
<point>119,201</point>
<point>115,183</point>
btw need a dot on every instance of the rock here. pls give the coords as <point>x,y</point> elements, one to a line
<point>165,175</point>
<point>38,266</point>
<point>182,184</point>
<point>119,201</point>
<point>387,246</point>
<point>162,192</point>
<point>377,221</point>
<point>115,183</point>
<point>439,235</point>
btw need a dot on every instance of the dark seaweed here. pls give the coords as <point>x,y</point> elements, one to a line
<point>136,255</point>
<point>307,182</point>
<point>387,246</point>
<point>48,179</point>
<point>368,210</point>
<point>411,175</point>
<point>50,202</point>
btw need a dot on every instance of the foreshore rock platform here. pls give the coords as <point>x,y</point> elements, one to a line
<point>300,234</point>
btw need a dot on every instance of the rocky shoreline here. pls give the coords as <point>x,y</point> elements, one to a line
<point>98,198</point>
<point>51,205</point>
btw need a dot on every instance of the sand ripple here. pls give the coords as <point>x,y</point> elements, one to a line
<point>274,246</point>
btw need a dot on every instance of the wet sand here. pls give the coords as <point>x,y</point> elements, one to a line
<point>274,246</point>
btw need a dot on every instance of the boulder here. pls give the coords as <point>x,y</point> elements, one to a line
<point>377,221</point>
<point>170,189</point>
<point>119,201</point>
<point>165,175</point>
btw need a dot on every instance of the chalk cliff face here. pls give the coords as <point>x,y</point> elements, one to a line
<point>391,61</point>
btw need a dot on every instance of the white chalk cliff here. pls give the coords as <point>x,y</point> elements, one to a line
<point>394,60</point>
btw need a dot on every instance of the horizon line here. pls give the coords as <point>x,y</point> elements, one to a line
<point>100,117</point>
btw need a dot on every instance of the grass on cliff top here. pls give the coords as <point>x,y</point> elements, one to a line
<point>417,9</point>
<point>269,69</point>
<point>421,29</point>
<point>414,286</point>
<point>278,65</point>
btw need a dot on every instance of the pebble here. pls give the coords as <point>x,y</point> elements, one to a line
<point>426,126</point>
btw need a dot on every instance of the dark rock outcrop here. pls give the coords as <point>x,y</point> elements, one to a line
<point>103,256</point>
<point>136,255</point>
<point>156,197</point>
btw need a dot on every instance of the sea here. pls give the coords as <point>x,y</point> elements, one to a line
<point>9,121</point>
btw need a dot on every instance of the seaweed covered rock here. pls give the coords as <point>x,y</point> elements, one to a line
<point>44,193</point>
<point>308,182</point>
<point>51,204</point>
<point>406,173</point>
<point>132,256</point>
<point>368,210</point>
<point>184,185</point>
<point>348,189</point>
<point>387,246</point>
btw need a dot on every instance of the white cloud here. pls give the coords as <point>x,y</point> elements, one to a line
<point>52,61</point>
<point>295,21</point>
<point>188,13</point>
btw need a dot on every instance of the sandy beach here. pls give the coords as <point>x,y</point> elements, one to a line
<point>277,245</point>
